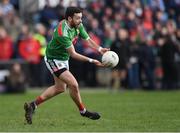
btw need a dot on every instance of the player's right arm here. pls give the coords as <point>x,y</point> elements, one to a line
<point>80,57</point>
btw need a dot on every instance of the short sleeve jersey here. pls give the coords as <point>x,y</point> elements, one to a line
<point>63,37</point>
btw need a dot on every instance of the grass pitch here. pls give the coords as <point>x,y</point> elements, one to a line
<point>132,111</point>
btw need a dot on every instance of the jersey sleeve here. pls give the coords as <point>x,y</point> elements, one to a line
<point>64,41</point>
<point>82,32</point>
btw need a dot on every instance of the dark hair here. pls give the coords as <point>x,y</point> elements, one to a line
<point>71,10</point>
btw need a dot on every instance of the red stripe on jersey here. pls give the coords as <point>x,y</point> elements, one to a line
<point>60,29</point>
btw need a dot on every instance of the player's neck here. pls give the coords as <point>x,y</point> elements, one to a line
<point>68,23</point>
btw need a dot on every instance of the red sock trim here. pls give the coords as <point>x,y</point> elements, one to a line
<point>81,107</point>
<point>39,100</point>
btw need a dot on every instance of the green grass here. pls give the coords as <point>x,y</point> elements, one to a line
<point>124,111</point>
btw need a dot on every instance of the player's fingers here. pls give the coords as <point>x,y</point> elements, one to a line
<point>101,65</point>
<point>96,62</point>
<point>104,50</point>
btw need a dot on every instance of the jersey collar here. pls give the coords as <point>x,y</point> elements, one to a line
<point>69,28</point>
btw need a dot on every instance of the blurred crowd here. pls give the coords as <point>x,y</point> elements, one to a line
<point>144,33</point>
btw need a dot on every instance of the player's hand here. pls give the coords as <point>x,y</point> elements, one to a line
<point>103,50</point>
<point>97,63</point>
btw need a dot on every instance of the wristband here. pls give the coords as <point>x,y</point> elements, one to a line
<point>99,49</point>
<point>90,60</point>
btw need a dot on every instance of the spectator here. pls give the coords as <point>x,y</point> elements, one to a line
<point>133,65</point>
<point>109,37</point>
<point>29,50</point>
<point>168,51</point>
<point>15,82</point>
<point>5,8</point>
<point>40,36</point>
<point>121,47</point>
<point>147,65</point>
<point>6,45</point>
<point>12,23</point>
<point>48,14</point>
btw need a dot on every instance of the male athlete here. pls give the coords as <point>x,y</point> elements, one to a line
<point>58,51</point>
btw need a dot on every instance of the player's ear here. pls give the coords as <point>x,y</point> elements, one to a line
<point>69,18</point>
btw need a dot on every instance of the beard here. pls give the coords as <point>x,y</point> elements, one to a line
<point>75,25</point>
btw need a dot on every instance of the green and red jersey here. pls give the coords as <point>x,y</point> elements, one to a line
<point>63,38</point>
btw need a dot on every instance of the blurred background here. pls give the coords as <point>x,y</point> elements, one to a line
<point>144,33</point>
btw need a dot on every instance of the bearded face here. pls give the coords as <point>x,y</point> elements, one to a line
<point>76,20</point>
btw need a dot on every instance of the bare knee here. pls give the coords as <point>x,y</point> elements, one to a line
<point>74,87</point>
<point>60,89</point>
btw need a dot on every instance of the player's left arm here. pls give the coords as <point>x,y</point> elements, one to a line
<point>81,57</point>
<point>84,35</point>
<point>92,44</point>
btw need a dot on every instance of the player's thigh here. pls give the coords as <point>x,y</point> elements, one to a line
<point>60,84</point>
<point>69,79</point>
<point>57,67</point>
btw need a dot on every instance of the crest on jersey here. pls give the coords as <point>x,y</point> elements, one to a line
<point>77,30</point>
